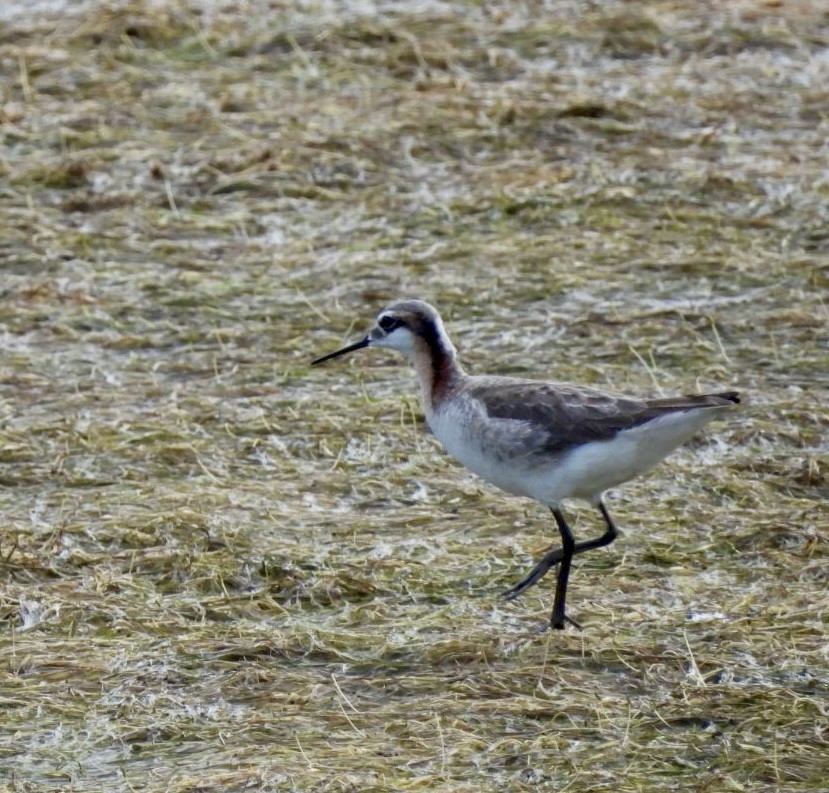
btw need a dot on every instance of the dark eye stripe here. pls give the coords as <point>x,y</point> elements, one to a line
<point>388,324</point>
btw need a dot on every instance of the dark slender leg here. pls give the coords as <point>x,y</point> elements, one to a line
<point>553,557</point>
<point>611,533</point>
<point>568,550</point>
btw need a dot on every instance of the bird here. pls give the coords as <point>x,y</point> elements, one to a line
<point>546,441</point>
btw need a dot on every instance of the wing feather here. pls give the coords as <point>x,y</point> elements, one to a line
<point>557,417</point>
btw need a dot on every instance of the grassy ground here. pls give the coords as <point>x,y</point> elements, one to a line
<point>223,570</point>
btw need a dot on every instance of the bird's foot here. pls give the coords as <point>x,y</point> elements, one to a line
<point>558,621</point>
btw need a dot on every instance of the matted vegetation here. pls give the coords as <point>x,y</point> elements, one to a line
<point>222,570</point>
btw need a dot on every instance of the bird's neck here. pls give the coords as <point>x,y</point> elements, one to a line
<point>438,370</point>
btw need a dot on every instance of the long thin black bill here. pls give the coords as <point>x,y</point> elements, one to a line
<point>351,347</point>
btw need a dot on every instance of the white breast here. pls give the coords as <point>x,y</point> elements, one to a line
<point>483,446</point>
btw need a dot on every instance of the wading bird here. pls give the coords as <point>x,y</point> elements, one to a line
<point>546,441</point>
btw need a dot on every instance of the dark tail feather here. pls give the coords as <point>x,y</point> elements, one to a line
<point>731,396</point>
<point>691,401</point>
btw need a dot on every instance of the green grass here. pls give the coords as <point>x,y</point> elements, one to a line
<point>223,570</point>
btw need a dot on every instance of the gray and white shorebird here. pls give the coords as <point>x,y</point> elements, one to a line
<point>546,441</point>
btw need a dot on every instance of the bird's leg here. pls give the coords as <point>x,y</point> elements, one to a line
<point>553,557</point>
<point>568,550</point>
<point>611,533</point>
<point>550,559</point>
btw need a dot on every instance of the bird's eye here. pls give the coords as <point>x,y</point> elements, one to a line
<point>388,323</point>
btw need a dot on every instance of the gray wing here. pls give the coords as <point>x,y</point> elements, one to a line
<point>555,417</point>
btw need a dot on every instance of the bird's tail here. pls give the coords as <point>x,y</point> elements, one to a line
<point>692,401</point>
